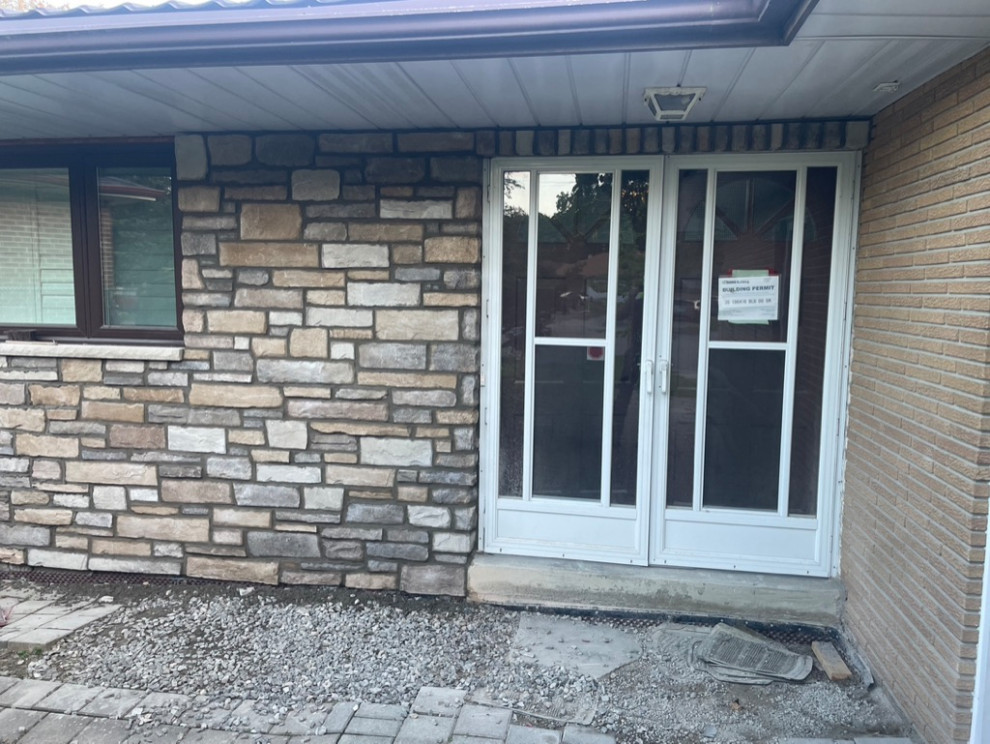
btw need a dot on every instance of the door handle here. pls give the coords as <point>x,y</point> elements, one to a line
<point>664,370</point>
<point>649,377</point>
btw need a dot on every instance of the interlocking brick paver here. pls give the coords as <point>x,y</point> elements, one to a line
<point>484,722</point>
<point>388,727</point>
<point>377,710</point>
<point>529,735</point>
<point>104,731</point>
<point>27,692</point>
<point>583,735</point>
<point>425,730</point>
<point>113,702</point>
<point>438,701</point>
<point>14,723</point>
<point>55,728</point>
<point>68,698</point>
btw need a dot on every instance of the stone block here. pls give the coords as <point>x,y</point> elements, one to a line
<point>198,244</point>
<point>270,221</point>
<point>357,143</point>
<point>136,565</point>
<point>110,498</point>
<point>57,559</point>
<point>308,342</point>
<point>397,452</point>
<point>24,535</point>
<point>234,396</point>
<point>285,149</point>
<point>392,356</point>
<point>269,299</point>
<point>308,372</point>
<point>270,255</point>
<point>14,394</point>
<point>137,437</point>
<point>288,474</point>
<point>54,395</point>
<point>287,434</point>
<point>386,232</point>
<point>229,149</point>
<point>433,579</point>
<point>395,170</point>
<point>370,581</point>
<point>376,513</point>
<point>454,358</point>
<point>99,410</point>
<point>452,542</point>
<point>23,419</point>
<point>43,516</point>
<point>431,398</point>
<point>199,199</point>
<point>80,370</point>
<point>179,529</point>
<point>456,169</point>
<point>283,545</point>
<point>256,494</point>
<point>325,231</point>
<point>452,249</point>
<point>29,445</point>
<point>315,185</point>
<point>354,255</point>
<point>197,439</point>
<point>229,569</point>
<point>429,516</point>
<point>338,409</point>
<point>241,517</point>
<point>338,317</point>
<point>382,294</point>
<point>416,209</point>
<point>190,157</point>
<point>417,325</point>
<point>331,499</point>
<point>192,491</point>
<point>400,551</point>
<point>112,473</point>
<point>352,475</point>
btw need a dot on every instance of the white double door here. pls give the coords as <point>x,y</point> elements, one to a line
<point>663,359</point>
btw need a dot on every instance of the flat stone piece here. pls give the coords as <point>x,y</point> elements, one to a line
<point>425,730</point>
<point>529,735</point>
<point>12,721</point>
<point>102,731</point>
<point>55,728</point>
<point>584,735</point>
<point>68,698</point>
<point>27,692</point>
<point>113,702</point>
<point>377,710</point>
<point>339,717</point>
<point>480,720</point>
<point>594,650</point>
<point>386,727</point>
<point>438,701</point>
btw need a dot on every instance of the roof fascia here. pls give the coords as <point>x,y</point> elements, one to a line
<point>349,32</point>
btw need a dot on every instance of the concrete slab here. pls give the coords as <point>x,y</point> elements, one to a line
<point>528,735</point>
<point>38,638</point>
<point>246,738</point>
<point>425,730</point>
<point>318,739</point>
<point>549,582</point>
<point>104,731</point>
<point>162,734</point>
<point>210,737</point>
<point>68,698</point>
<point>27,692</point>
<point>359,739</point>
<point>15,723</point>
<point>584,735</point>
<point>307,720</point>
<point>245,718</point>
<point>552,640</point>
<point>113,702</point>
<point>55,728</point>
<point>438,701</point>
<point>378,710</point>
<point>387,727</point>
<point>484,722</point>
<point>167,704</point>
<point>339,717</point>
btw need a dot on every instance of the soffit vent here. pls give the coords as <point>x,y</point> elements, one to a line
<point>672,104</point>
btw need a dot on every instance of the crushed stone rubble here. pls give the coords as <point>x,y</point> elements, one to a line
<point>267,656</point>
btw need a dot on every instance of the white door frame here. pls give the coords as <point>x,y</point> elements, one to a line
<point>656,348</point>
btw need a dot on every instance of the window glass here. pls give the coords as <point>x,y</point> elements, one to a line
<point>36,284</point>
<point>137,254</point>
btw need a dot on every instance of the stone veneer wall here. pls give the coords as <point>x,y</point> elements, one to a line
<point>918,451</point>
<point>321,425</point>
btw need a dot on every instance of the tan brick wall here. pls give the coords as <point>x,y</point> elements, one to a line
<point>915,503</point>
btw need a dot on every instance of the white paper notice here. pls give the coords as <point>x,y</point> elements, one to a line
<point>748,299</point>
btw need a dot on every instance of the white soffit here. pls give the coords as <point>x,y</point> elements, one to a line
<point>844,49</point>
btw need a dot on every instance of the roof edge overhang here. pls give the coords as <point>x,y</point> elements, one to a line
<point>383,30</point>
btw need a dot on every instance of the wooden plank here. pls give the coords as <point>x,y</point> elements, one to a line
<point>831,662</point>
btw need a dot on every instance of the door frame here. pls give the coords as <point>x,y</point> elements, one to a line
<point>659,263</point>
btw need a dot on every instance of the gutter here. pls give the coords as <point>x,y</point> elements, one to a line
<point>383,30</point>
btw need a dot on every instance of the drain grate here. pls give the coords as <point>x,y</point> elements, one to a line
<point>63,577</point>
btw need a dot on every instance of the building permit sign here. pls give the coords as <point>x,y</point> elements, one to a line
<point>749,297</point>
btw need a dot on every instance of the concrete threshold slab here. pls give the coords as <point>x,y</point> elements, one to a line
<point>583,585</point>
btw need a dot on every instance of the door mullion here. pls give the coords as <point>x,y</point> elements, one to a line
<point>790,354</point>
<point>704,333</point>
<point>529,394</point>
<point>609,361</point>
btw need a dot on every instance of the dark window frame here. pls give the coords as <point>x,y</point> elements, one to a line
<point>83,164</point>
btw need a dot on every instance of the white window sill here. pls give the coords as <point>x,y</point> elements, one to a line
<point>91,351</point>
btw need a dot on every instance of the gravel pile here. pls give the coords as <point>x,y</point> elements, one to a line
<point>287,650</point>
